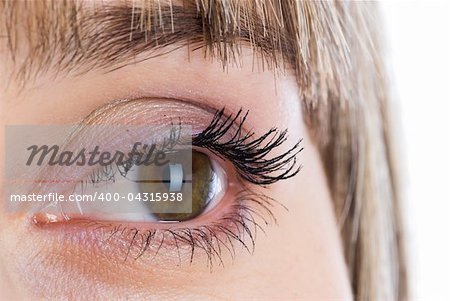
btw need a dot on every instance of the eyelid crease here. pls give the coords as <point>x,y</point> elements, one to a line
<point>124,111</point>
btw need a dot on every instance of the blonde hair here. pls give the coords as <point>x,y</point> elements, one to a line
<point>335,51</point>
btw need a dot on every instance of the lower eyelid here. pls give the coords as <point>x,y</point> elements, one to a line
<point>214,238</point>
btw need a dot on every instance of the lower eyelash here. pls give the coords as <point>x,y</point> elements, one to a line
<point>249,214</point>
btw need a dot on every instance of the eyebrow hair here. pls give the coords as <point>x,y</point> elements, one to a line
<point>75,37</point>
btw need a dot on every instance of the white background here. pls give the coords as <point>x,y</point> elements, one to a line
<point>419,40</point>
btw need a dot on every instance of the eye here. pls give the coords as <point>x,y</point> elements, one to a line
<point>188,184</point>
<point>209,195</point>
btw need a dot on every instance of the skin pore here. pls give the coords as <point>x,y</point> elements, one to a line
<point>300,258</point>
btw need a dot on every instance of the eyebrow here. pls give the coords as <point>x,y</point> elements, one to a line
<point>73,37</point>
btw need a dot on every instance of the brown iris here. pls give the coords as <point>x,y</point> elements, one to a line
<point>197,190</point>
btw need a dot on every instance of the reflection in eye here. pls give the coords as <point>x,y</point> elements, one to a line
<point>208,187</point>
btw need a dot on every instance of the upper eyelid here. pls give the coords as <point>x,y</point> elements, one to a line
<point>262,173</point>
<point>121,109</point>
<point>222,126</point>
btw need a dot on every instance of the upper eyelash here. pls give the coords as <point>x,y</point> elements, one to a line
<point>246,153</point>
<point>249,154</point>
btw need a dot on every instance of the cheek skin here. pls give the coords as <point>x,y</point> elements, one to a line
<point>299,259</point>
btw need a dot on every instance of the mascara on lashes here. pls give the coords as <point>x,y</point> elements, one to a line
<point>249,211</point>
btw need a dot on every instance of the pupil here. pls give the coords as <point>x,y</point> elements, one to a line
<point>203,190</point>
